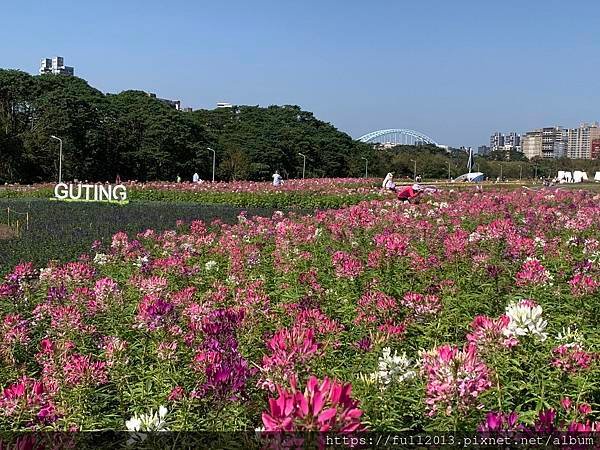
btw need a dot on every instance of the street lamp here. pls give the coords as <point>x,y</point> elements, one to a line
<point>500,172</point>
<point>214,159</point>
<point>449,176</point>
<point>59,158</point>
<point>303,164</point>
<point>415,171</point>
<point>366,167</point>
<point>520,172</point>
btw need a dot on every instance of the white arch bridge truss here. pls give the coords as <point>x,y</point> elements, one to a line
<point>397,136</point>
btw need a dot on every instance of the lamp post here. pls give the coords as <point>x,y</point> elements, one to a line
<point>449,176</point>
<point>415,170</point>
<point>59,158</point>
<point>303,164</point>
<point>214,159</point>
<point>535,176</point>
<point>366,167</point>
<point>501,173</point>
<point>520,172</point>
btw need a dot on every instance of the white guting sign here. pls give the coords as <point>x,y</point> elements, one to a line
<point>91,192</point>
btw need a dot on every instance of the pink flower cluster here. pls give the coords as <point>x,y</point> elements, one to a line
<point>14,331</point>
<point>489,334</point>
<point>455,379</point>
<point>346,265</point>
<point>154,312</point>
<point>378,308</point>
<point>421,306</point>
<point>325,406</point>
<point>532,273</point>
<point>394,244</point>
<point>571,358</point>
<point>81,370</point>
<point>17,280</point>
<point>289,350</point>
<point>582,284</point>
<point>27,397</point>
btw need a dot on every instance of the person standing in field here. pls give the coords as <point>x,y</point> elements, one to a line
<point>178,178</point>
<point>277,179</point>
<point>388,182</point>
<point>196,178</point>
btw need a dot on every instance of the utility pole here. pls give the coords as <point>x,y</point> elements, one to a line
<point>303,164</point>
<point>214,159</point>
<point>59,158</point>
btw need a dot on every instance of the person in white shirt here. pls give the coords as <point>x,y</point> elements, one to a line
<point>277,179</point>
<point>388,182</point>
<point>196,178</point>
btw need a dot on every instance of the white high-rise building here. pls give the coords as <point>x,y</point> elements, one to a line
<point>549,142</point>
<point>580,140</point>
<point>55,66</point>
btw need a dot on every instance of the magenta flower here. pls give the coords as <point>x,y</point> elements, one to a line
<point>346,265</point>
<point>582,284</point>
<point>154,313</point>
<point>325,406</point>
<point>499,421</point>
<point>532,273</point>
<point>394,244</point>
<point>489,333</point>
<point>571,358</point>
<point>81,370</point>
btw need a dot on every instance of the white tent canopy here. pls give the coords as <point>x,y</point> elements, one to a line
<point>474,177</point>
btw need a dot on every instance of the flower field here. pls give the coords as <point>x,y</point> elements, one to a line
<point>472,310</point>
<point>62,231</point>
<point>309,193</point>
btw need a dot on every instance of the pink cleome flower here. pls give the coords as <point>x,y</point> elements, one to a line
<point>394,244</point>
<point>582,284</point>
<point>422,305</point>
<point>488,333</point>
<point>571,358</point>
<point>455,379</point>
<point>346,265</point>
<point>532,273</point>
<point>325,406</point>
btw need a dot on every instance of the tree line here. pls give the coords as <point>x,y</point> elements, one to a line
<point>138,137</point>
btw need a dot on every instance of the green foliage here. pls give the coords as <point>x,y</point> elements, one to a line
<point>304,200</point>
<point>139,137</point>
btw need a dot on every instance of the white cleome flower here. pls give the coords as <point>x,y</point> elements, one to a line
<point>149,422</point>
<point>394,368</point>
<point>100,259</point>
<point>525,320</point>
<point>210,265</point>
<point>133,424</point>
<point>570,336</point>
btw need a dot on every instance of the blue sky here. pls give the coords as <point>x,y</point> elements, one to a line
<point>455,70</point>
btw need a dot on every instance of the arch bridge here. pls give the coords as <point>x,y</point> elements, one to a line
<point>397,136</point>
